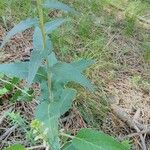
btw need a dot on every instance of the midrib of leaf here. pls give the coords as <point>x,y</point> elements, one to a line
<point>50,128</point>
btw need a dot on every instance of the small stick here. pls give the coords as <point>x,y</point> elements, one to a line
<point>8,132</point>
<point>36,147</point>
<point>4,115</point>
<point>141,137</point>
<point>136,134</point>
<point>125,118</point>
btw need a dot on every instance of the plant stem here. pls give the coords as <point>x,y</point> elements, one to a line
<point>66,135</point>
<point>23,91</point>
<point>41,21</point>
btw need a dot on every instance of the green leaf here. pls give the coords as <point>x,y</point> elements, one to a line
<point>127,144</point>
<point>16,147</point>
<point>93,140</point>
<point>65,72</point>
<point>3,91</point>
<point>52,25</point>
<point>38,44</point>
<point>56,108</point>
<point>2,75</point>
<point>41,75</point>
<point>19,70</point>
<point>9,86</point>
<point>68,146</point>
<point>38,54</point>
<point>82,64</point>
<point>23,25</point>
<point>52,59</point>
<point>15,97</point>
<point>58,5</point>
<point>44,94</point>
<point>15,80</point>
<point>49,112</point>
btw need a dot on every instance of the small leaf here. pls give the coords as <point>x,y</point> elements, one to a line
<point>82,64</point>
<point>52,25</point>
<point>93,140</point>
<point>15,80</point>
<point>38,54</point>
<point>1,75</point>
<point>16,147</point>
<point>52,59</point>
<point>38,40</point>
<point>16,95</point>
<point>23,25</point>
<point>3,91</point>
<point>9,87</point>
<point>65,72</point>
<point>58,5</point>
<point>127,144</point>
<point>19,70</point>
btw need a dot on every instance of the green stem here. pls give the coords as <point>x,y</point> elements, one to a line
<point>66,135</point>
<point>23,91</point>
<point>41,21</point>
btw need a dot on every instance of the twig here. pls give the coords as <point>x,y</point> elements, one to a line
<point>136,134</point>
<point>36,147</point>
<point>141,137</point>
<point>4,115</point>
<point>125,118</point>
<point>8,132</point>
<point>2,118</point>
<point>132,122</point>
<point>135,118</point>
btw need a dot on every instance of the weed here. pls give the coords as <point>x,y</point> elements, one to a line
<point>54,76</point>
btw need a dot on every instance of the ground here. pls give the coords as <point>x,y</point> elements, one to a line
<point>116,34</point>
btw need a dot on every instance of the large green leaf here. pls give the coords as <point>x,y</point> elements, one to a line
<point>23,25</point>
<point>93,140</point>
<point>19,70</point>
<point>16,147</point>
<point>49,112</point>
<point>65,72</point>
<point>52,25</point>
<point>58,5</point>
